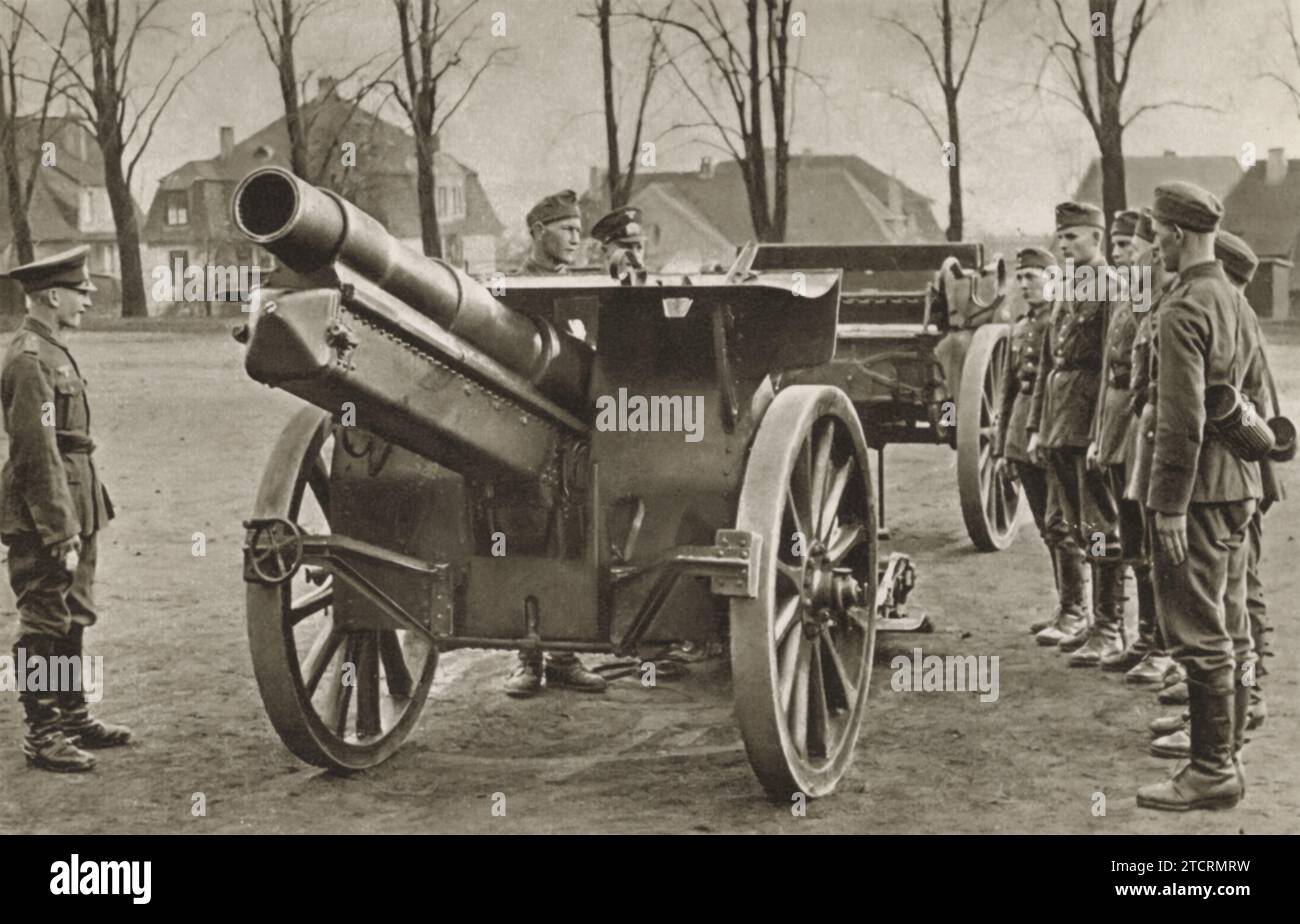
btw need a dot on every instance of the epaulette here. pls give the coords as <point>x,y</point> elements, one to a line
<point>30,343</point>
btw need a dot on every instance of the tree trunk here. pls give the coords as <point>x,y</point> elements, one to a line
<point>128,232</point>
<point>1110,128</point>
<point>22,230</point>
<point>956,218</point>
<point>298,155</point>
<point>426,184</point>
<point>613,182</point>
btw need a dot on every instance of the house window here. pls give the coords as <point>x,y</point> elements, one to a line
<point>457,202</point>
<point>442,202</point>
<point>178,208</point>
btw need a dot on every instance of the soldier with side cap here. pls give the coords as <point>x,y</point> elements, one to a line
<point>1203,497</point>
<point>1060,424</point>
<point>1239,264</point>
<point>1011,445</point>
<point>52,507</point>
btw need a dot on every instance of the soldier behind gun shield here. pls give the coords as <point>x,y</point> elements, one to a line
<point>53,508</point>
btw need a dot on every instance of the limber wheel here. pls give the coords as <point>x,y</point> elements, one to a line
<point>990,500</point>
<point>339,695</point>
<point>801,650</point>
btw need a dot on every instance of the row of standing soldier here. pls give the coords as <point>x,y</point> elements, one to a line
<point>1103,422</point>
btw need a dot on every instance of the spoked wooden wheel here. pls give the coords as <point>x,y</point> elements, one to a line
<point>339,695</point>
<point>801,651</point>
<point>990,500</point>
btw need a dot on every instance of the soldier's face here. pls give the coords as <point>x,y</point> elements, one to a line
<point>69,305</point>
<point>1031,281</point>
<point>631,253</point>
<point>1123,250</point>
<point>1169,240</point>
<point>1079,243</point>
<point>560,239</point>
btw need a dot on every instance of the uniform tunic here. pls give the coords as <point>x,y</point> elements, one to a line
<point>1016,400</point>
<point>50,490</point>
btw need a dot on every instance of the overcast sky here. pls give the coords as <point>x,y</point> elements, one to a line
<point>534,126</point>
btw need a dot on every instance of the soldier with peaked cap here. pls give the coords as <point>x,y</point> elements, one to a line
<point>620,234</point>
<point>1109,453</point>
<point>1203,497</point>
<point>556,227</point>
<point>1239,264</point>
<point>52,506</point>
<point>555,224</point>
<point>1060,421</point>
<point>1011,445</point>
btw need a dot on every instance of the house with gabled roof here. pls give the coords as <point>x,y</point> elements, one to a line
<point>1143,174</point>
<point>365,158</point>
<point>1264,208</point>
<point>700,217</point>
<point>69,205</point>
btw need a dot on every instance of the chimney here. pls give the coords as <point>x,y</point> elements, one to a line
<point>227,142</point>
<point>1275,171</point>
<point>327,86</point>
<point>1169,153</point>
<point>595,180</point>
<point>706,168</point>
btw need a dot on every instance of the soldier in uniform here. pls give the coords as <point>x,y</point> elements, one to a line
<point>53,508</point>
<point>620,234</point>
<point>1239,264</point>
<point>556,226</point>
<point>1060,424</point>
<point>1109,453</point>
<point>1154,663</point>
<point>1203,498</point>
<point>1011,446</point>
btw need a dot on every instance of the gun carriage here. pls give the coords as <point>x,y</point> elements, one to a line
<point>449,485</point>
<point>921,354</point>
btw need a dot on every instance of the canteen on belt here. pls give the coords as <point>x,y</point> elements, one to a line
<point>1232,418</point>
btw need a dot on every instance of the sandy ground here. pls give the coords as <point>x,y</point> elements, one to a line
<point>183,436</point>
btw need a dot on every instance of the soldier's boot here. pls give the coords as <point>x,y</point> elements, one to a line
<point>1073,607</point>
<point>1167,724</point>
<point>1259,636</point>
<point>1209,780</point>
<point>563,669</point>
<point>1174,695</point>
<point>44,745</point>
<point>1240,723</point>
<point>1151,670</point>
<point>1107,635</point>
<point>1134,653</point>
<point>526,679</point>
<point>1041,624</point>
<point>76,722</point>
<point>1177,745</point>
<point>1076,639</point>
<point>1258,707</point>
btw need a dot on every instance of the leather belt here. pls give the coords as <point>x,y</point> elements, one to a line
<point>71,442</point>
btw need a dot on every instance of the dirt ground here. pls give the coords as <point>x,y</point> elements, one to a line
<point>183,436</point>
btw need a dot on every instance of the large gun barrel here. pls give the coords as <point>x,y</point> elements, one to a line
<point>311,229</point>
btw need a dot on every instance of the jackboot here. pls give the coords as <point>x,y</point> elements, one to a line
<point>1209,780</point>
<point>45,746</point>
<point>1174,695</point>
<point>1137,650</point>
<point>1258,707</point>
<point>1107,636</point>
<point>1072,606</point>
<point>1177,745</point>
<point>1041,624</point>
<point>1240,722</point>
<point>1151,670</point>
<point>76,722</point>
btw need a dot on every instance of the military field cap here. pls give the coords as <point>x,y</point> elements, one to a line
<point>1145,230</point>
<point>555,207</point>
<point>65,270</point>
<point>1125,223</point>
<point>621,226</point>
<point>1070,214</point>
<point>1188,206</point>
<point>1239,261</point>
<point>1034,258</point>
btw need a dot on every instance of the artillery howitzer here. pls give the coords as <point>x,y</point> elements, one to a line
<point>922,356</point>
<point>449,426</point>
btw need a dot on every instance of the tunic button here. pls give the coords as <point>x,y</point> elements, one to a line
<point>1151,434</point>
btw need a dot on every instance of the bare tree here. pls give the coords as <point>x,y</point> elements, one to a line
<point>103,88</point>
<point>1099,99</point>
<point>18,186</point>
<point>951,78</point>
<point>279,22</point>
<point>755,73</point>
<point>619,180</point>
<point>423,36</point>
<point>1282,73</point>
